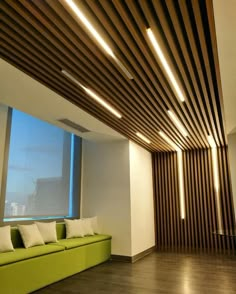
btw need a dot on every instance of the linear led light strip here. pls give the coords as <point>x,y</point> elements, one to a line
<point>143,138</point>
<point>165,64</point>
<point>168,140</point>
<point>180,172</point>
<point>177,123</point>
<point>215,165</point>
<point>97,36</point>
<point>93,95</point>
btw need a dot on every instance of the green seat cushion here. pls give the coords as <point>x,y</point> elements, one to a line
<point>23,253</point>
<point>77,242</point>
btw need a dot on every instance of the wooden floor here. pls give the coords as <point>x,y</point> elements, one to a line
<point>163,272</point>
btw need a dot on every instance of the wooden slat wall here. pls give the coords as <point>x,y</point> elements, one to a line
<point>196,230</point>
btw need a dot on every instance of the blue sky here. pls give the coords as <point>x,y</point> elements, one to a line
<point>35,152</point>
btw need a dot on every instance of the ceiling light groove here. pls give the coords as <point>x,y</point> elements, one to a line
<point>143,138</point>
<point>178,123</point>
<point>92,94</point>
<point>165,64</point>
<point>98,37</point>
<point>169,141</point>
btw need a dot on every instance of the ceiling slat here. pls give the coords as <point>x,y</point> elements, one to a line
<point>186,72</point>
<point>203,44</point>
<point>43,37</point>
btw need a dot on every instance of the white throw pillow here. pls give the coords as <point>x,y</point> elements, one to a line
<point>48,231</point>
<point>5,239</point>
<point>74,228</point>
<point>30,235</point>
<point>87,226</point>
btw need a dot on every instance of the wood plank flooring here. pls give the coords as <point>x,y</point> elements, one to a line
<point>159,272</point>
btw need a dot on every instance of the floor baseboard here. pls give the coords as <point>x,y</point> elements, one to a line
<point>132,259</point>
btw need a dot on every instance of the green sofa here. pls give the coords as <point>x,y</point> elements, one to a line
<point>26,270</point>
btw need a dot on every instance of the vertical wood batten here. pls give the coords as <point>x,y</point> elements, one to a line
<point>177,207</point>
<point>196,230</point>
<point>156,216</point>
<point>222,198</point>
<point>159,200</point>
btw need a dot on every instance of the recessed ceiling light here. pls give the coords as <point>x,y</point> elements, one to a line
<point>71,78</point>
<point>177,123</point>
<point>143,138</point>
<point>93,95</point>
<point>97,36</point>
<point>165,64</point>
<point>169,141</point>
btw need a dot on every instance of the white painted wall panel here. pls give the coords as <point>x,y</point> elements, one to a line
<point>142,210</point>
<point>106,190</point>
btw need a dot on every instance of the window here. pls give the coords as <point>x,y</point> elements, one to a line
<point>43,170</point>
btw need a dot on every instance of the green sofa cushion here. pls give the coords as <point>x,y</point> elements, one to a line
<point>22,253</point>
<point>77,242</point>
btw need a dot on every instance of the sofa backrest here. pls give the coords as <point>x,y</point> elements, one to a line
<point>17,241</point>
<point>61,231</point>
<point>16,238</point>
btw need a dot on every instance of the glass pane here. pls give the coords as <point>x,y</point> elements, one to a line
<point>38,179</point>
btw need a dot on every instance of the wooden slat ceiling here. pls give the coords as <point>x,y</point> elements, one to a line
<point>41,37</point>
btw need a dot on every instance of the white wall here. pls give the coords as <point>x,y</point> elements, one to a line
<point>141,193</point>
<point>232,164</point>
<point>106,190</point>
<point>117,187</point>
